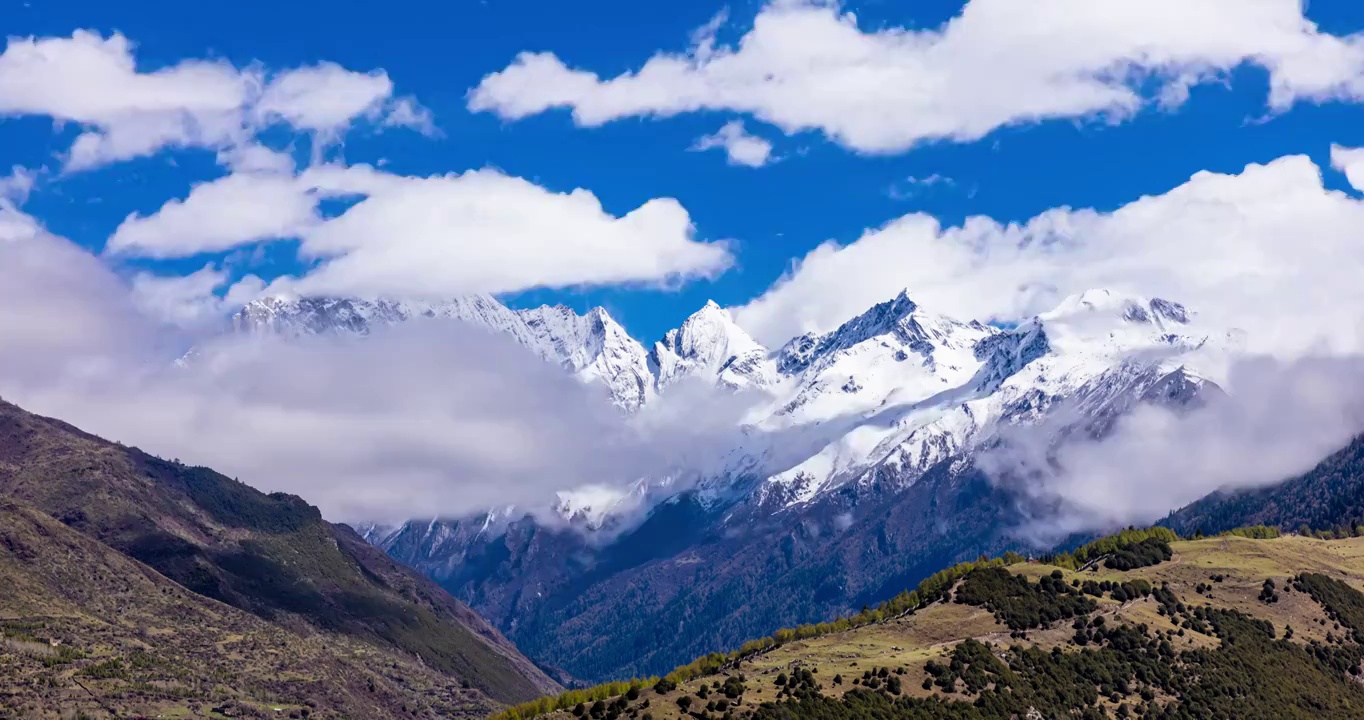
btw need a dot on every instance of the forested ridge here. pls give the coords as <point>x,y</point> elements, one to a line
<point>1074,640</point>
<point>1329,498</point>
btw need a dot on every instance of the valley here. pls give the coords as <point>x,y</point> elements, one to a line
<point>854,472</point>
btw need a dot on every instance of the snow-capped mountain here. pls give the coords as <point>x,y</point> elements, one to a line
<point>890,392</point>
<point>595,348</point>
<point>592,347</point>
<point>710,345</point>
<point>854,462</point>
<point>899,388</point>
<point>294,316</point>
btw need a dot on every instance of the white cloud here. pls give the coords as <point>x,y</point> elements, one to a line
<point>255,158</point>
<point>183,300</point>
<point>740,147</point>
<point>1277,421</point>
<point>16,186</point>
<point>429,418</point>
<point>805,65</point>
<point>93,81</point>
<point>483,231</point>
<point>231,211</point>
<point>1269,250</point>
<point>407,113</point>
<point>439,236</point>
<point>326,98</point>
<point>63,305</point>
<point>912,185</point>
<point>126,112</point>
<point>1351,162</point>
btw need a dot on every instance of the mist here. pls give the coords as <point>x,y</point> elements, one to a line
<point>1276,419</point>
<point>430,418</point>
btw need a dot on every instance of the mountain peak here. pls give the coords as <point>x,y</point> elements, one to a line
<point>1129,308</point>
<point>900,317</point>
<point>593,347</point>
<point>710,341</point>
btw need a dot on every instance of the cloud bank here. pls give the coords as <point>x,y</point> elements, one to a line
<point>435,237</point>
<point>806,65</point>
<point>1277,420</point>
<point>127,112</point>
<point>430,417</point>
<point>1269,250</point>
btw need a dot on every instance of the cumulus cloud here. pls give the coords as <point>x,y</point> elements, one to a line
<point>183,300</point>
<point>93,81</point>
<point>1269,250</point>
<point>127,112</point>
<point>226,213</point>
<point>16,186</point>
<point>323,98</point>
<point>807,65</point>
<point>1351,162</point>
<point>1276,421</point>
<point>431,417</point>
<point>438,236</point>
<point>64,308</point>
<point>740,147</point>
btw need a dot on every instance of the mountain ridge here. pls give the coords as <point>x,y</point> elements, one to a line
<point>856,461</point>
<point>270,555</point>
<point>1248,625</point>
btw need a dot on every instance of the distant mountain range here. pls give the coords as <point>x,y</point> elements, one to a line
<point>852,475</point>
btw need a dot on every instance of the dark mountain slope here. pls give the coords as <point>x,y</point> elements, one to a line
<point>271,555</point>
<point>1328,496</point>
<point>754,574</point>
<point>86,630</point>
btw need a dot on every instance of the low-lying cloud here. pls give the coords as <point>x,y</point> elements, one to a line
<point>428,418</point>
<point>1275,421</point>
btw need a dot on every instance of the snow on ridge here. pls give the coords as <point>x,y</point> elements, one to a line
<point>887,394</point>
<point>710,344</point>
<point>1106,349</point>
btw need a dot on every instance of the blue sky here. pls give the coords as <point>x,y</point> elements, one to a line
<point>818,190</point>
<point>992,157</point>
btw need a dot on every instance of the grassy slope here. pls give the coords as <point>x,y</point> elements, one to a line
<point>271,555</point>
<point>129,640</point>
<point>931,634</point>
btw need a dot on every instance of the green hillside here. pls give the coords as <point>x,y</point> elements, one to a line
<point>1226,627</point>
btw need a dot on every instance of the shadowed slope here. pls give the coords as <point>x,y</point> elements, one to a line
<point>271,555</point>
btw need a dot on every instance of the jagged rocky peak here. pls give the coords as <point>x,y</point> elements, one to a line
<point>899,322</point>
<point>711,344</point>
<point>595,348</point>
<point>1006,353</point>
